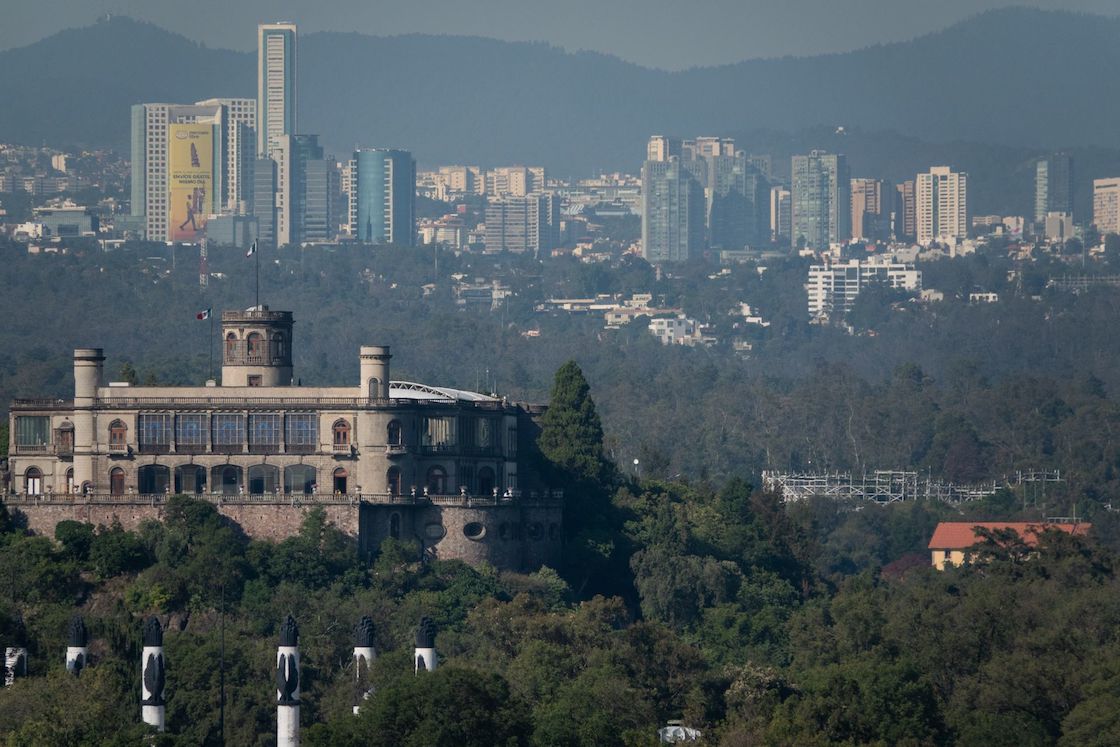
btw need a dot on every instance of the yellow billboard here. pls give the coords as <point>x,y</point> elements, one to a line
<point>190,179</point>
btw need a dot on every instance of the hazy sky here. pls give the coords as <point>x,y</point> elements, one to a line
<point>670,34</point>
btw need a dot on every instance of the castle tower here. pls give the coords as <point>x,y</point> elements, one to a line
<point>256,347</point>
<point>425,646</point>
<point>77,648</point>
<point>363,660</point>
<point>375,371</point>
<point>287,685</point>
<point>88,372</point>
<point>153,709</point>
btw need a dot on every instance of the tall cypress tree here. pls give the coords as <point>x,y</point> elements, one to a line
<point>571,433</point>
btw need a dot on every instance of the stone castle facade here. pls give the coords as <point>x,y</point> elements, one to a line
<point>388,458</point>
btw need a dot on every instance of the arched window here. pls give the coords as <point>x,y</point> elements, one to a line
<point>33,481</point>
<point>374,389</point>
<point>395,525</point>
<point>341,431</point>
<point>263,479</point>
<point>226,479</point>
<point>190,479</point>
<point>70,486</point>
<point>153,479</point>
<point>340,476</point>
<point>394,435</point>
<point>116,481</point>
<point>231,345</point>
<point>299,478</point>
<point>393,480</point>
<point>118,436</point>
<point>485,481</point>
<point>278,345</point>
<point>437,481</point>
<point>254,347</point>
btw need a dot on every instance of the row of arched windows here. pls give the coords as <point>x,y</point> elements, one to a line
<point>232,479</point>
<point>118,434</point>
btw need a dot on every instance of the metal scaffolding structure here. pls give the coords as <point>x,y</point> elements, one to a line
<point>891,486</point>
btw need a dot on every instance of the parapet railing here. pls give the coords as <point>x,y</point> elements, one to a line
<point>543,498</point>
<point>173,402</point>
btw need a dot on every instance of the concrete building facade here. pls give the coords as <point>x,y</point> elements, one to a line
<point>941,205</point>
<point>820,196</point>
<point>1106,205</point>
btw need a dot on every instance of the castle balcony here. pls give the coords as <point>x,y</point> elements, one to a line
<point>465,500</point>
<point>396,450</point>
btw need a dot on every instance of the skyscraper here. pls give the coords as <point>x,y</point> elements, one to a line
<point>780,218</point>
<point>672,211</point>
<point>523,224</point>
<point>820,196</point>
<point>660,147</point>
<point>276,82</point>
<point>383,196</point>
<point>239,145</point>
<point>1053,186</point>
<point>872,200</point>
<point>1106,205</point>
<point>737,202</point>
<point>264,200</point>
<point>906,220</point>
<point>941,202</point>
<point>302,198</point>
<point>153,182</point>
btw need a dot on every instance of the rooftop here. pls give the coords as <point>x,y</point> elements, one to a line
<point>960,535</point>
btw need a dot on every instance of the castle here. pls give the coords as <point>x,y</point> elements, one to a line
<point>383,458</point>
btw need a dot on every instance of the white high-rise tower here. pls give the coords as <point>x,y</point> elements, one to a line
<point>276,83</point>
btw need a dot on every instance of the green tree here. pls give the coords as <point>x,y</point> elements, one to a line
<point>571,437</point>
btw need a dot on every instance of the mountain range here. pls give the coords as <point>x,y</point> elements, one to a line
<point>1021,79</point>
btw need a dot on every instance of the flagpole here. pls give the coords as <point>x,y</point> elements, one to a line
<point>257,262</point>
<point>210,344</point>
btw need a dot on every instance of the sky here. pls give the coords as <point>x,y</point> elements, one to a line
<point>668,34</point>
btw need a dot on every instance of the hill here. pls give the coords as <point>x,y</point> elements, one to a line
<point>1005,77</point>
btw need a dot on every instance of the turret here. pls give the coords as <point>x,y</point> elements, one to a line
<point>77,647</point>
<point>256,347</point>
<point>154,676</point>
<point>88,374</point>
<point>425,655</point>
<point>363,660</point>
<point>375,371</point>
<point>287,685</point>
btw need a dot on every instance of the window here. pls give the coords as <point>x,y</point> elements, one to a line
<point>437,481</point>
<point>65,439</point>
<point>511,441</point>
<point>474,530</point>
<point>33,432</point>
<point>118,436</point>
<point>394,436</point>
<point>116,481</point>
<point>301,431</point>
<point>231,345</point>
<point>299,478</point>
<point>226,479</point>
<point>153,479</point>
<point>190,432</point>
<point>340,476</point>
<point>254,347</point>
<point>341,431</point>
<point>485,481</point>
<point>393,480</point>
<point>438,434</point>
<point>374,388</point>
<point>228,431</point>
<point>278,346</point>
<point>33,481</point>
<point>263,478</point>
<point>70,486</point>
<point>153,432</point>
<point>190,479</point>
<point>264,433</point>
<point>255,380</point>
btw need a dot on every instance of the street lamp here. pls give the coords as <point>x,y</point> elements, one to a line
<point>637,468</point>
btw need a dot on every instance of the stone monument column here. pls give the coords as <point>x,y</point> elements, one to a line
<point>425,646</point>
<point>77,647</point>
<point>363,660</point>
<point>152,705</point>
<point>287,685</point>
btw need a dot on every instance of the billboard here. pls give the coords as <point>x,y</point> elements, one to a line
<point>190,179</point>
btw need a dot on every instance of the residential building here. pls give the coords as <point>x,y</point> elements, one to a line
<point>239,145</point>
<point>515,181</point>
<point>872,202</point>
<point>834,286</point>
<point>276,83</point>
<point>679,330</point>
<point>781,224</point>
<point>906,218</point>
<point>941,205</point>
<point>672,211</point>
<point>953,542</point>
<point>448,468</point>
<point>661,147</point>
<point>820,187</point>
<point>1053,186</point>
<point>1106,205</point>
<point>737,203</point>
<point>1059,227</point>
<point>523,224</point>
<point>383,196</point>
<point>167,192</point>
